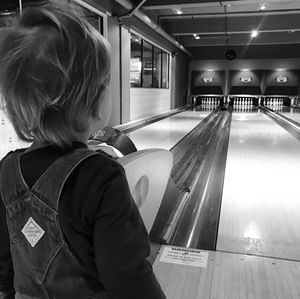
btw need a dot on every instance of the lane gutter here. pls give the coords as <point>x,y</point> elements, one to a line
<point>286,123</point>
<point>176,194</point>
<point>199,221</point>
<point>198,173</point>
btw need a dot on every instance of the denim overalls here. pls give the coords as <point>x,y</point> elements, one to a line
<point>44,266</point>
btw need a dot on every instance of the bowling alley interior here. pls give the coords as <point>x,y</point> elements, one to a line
<point>205,119</point>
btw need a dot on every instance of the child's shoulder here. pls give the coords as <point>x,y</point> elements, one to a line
<point>102,162</point>
<point>12,152</point>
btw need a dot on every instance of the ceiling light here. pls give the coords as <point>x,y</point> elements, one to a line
<point>197,37</point>
<point>263,7</point>
<point>207,79</point>
<point>291,31</point>
<point>281,79</point>
<point>246,79</point>
<point>254,33</point>
<point>178,11</point>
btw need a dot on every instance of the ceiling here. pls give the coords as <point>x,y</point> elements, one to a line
<point>220,26</point>
<point>224,25</point>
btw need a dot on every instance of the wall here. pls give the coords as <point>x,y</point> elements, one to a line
<point>148,101</point>
<point>246,64</point>
<point>128,103</point>
<point>125,83</point>
<point>217,86</point>
<point>250,64</point>
<point>135,103</point>
<point>113,38</point>
<point>179,81</point>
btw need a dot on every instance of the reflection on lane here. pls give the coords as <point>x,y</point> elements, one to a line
<point>167,132</point>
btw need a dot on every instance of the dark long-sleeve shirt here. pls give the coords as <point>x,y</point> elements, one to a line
<point>100,223</point>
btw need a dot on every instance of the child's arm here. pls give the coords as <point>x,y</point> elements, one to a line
<point>121,243</point>
<point>6,268</point>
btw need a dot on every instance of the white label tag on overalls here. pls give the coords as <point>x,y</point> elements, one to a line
<point>32,232</point>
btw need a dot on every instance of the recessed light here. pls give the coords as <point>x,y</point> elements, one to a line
<point>291,31</point>
<point>207,79</point>
<point>197,37</point>
<point>178,11</point>
<point>254,33</point>
<point>281,79</point>
<point>246,79</point>
<point>263,7</point>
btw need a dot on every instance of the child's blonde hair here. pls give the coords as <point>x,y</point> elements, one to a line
<point>54,68</point>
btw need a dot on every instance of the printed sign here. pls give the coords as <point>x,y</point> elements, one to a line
<point>184,256</point>
<point>32,232</point>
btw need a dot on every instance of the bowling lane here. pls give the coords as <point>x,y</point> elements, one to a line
<point>291,113</point>
<point>167,132</point>
<point>260,211</point>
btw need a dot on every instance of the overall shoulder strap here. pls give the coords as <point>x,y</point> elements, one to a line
<point>12,184</point>
<point>49,186</point>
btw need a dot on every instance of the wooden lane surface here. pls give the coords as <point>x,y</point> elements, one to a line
<point>167,132</point>
<point>231,276</point>
<point>293,114</point>
<point>260,211</point>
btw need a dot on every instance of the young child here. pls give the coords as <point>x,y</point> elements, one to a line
<point>68,225</point>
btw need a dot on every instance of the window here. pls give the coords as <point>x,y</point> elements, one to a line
<point>157,68</point>
<point>136,61</point>
<point>149,65</point>
<point>165,70</point>
<point>94,19</point>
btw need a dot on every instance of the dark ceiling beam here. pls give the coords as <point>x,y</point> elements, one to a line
<point>131,13</point>
<point>231,14</point>
<point>278,52</point>
<point>242,39</point>
<point>221,33</point>
<point>158,4</point>
<point>145,19</point>
<point>169,4</point>
<point>278,23</point>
